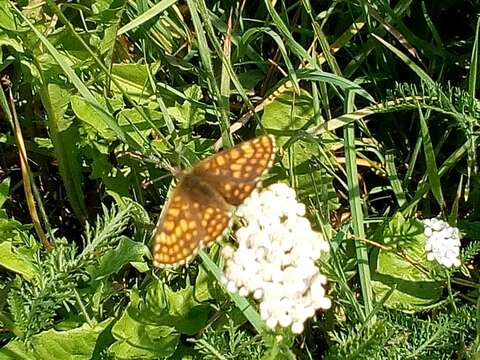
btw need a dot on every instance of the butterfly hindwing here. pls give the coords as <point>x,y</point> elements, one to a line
<point>178,234</point>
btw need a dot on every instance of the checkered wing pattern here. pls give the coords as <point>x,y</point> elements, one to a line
<point>199,209</point>
<point>178,234</point>
<point>236,172</point>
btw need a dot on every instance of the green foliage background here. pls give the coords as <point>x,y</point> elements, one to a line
<point>373,103</point>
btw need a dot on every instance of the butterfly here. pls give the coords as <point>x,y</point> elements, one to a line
<point>199,210</point>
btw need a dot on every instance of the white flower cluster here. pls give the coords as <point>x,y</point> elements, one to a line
<point>275,259</point>
<point>443,242</point>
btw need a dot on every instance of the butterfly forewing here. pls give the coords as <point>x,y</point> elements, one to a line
<point>199,211</point>
<point>235,172</point>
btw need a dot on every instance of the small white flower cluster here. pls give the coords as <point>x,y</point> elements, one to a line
<point>275,259</point>
<point>443,242</point>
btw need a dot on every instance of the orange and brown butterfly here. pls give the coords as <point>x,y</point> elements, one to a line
<point>199,210</point>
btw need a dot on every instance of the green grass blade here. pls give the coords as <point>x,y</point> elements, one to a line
<point>357,211</point>
<point>432,170</point>
<point>341,82</point>
<point>394,180</point>
<point>473,71</point>
<point>147,15</point>
<point>447,165</point>
<point>251,34</point>
<point>417,70</point>
<point>205,56</point>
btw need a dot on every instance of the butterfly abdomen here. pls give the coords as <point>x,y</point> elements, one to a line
<point>200,191</point>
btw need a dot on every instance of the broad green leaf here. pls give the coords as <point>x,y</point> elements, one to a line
<point>134,81</point>
<point>206,287</point>
<point>141,341</point>
<point>414,290</point>
<point>99,111</point>
<point>72,344</point>
<point>15,262</point>
<point>125,252</point>
<point>70,46</point>
<point>179,309</point>
<point>9,228</point>
<point>16,350</point>
<point>59,98</point>
<point>6,40</point>
<point>249,79</point>
<point>62,60</point>
<point>152,324</point>
<point>65,139</point>
<point>4,190</point>
<point>107,44</point>
<point>7,20</point>
<point>87,112</point>
<point>288,111</point>
<point>141,337</point>
<point>77,344</point>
